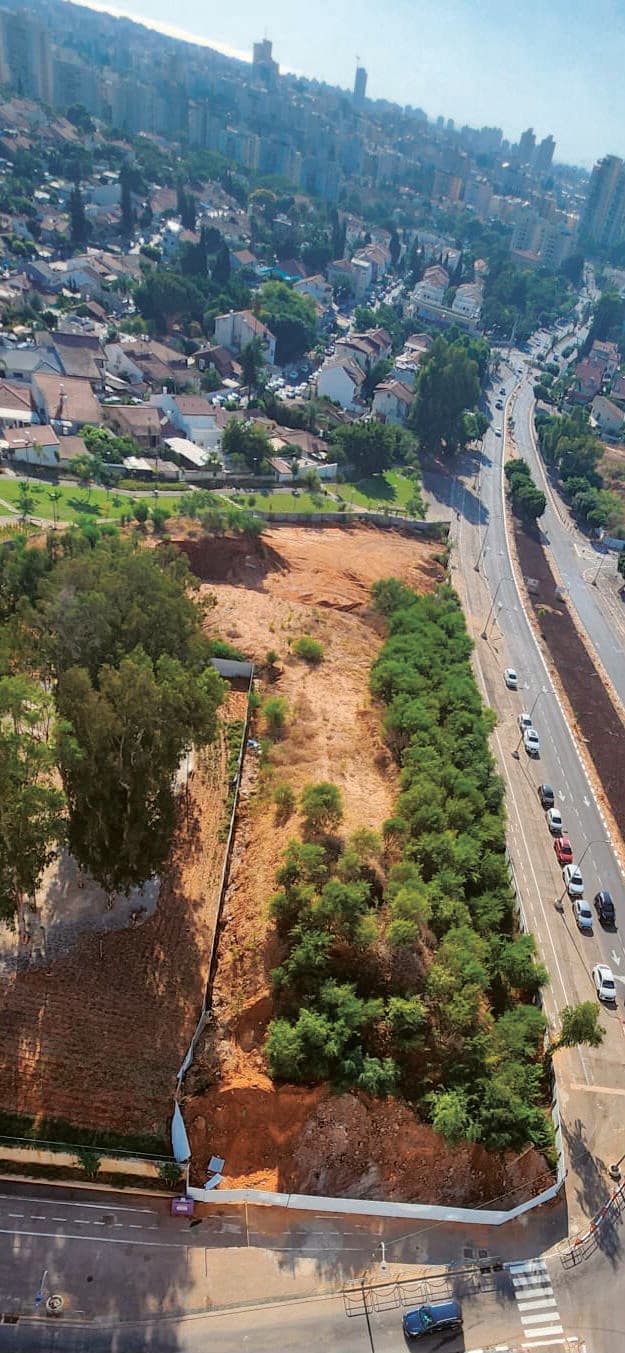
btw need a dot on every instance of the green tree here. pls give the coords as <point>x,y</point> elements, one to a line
<point>79,227</point>
<point>119,747</point>
<point>450,1116</point>
<point>252,363</point>
<point>579,1024</point>
<point>31,804</point>
<point>275,713</point>
<point>371,447</point>
<point>447,388</point>
<point>322,807</point>
<point>221,266</point>
<point>56,497</point>
<point>25,499</point>
<point>248,444</point>
<point>290,317</point>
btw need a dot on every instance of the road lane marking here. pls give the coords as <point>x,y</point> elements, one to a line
<point>18,1214</point>
<point>597,1089</point>
<point>539,1335</point>
<point>59,1202</point>
<point>100,1240</point>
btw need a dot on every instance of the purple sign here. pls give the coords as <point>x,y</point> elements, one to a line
<point>182,1207</point>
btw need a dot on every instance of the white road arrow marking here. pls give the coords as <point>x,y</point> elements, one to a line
<point>616,958</point>
<point>586,800</point>
<point>561,795</point>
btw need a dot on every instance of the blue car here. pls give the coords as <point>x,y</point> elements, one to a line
<point>439,1315</point>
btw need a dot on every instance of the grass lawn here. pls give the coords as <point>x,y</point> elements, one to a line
<point>73,503</point>
<point>391,489</point>
<point>284,501</point>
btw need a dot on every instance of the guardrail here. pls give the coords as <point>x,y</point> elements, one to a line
<point>594,1238</point>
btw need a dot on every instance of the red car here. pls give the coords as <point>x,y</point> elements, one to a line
<point>563,849</point>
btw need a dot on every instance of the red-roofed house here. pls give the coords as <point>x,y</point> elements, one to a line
<point>391,401</point>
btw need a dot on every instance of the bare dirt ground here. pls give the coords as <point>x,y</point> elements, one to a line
<point>288,1138</point>
<point>600,725</point>
<point>96,1035</point>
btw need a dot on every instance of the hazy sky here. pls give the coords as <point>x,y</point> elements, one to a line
<point>556,65</point>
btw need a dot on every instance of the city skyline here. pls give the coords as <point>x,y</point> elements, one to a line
<point>456,63</point>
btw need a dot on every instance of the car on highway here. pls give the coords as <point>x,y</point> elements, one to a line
<point>573,880</point>
<point>546,796</point>
<point>563,849</point>
<point>499,404</point>
<point>554,821</point>
<point>582,914</point>
<point>502,389</point>
<point>436,1317</point>
<point>531,742</point>
<point>497,432</point>
<point>605,986</point>
<point>511,679</point>
<point>524,721</point>
<point>605,908</point>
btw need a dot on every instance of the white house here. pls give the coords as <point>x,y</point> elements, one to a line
<point>607,416</point>
<point>193,417</point>
<point>31,446</point>
<point>367,348</point>
<point>431,289</point>
<point>468,300</point>
<point>391,401</point>
<point>341,380</point>
<point>236,329</point>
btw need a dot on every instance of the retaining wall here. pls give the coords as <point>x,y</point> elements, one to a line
<point>69,1158</point>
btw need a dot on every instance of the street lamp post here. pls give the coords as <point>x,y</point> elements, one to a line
<point>615,1170</point>
<point>601,563</point>
<point>505,579</point>
<point>537,698</point>
<point>482,547</point>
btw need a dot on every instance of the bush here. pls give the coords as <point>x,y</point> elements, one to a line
<point>284,799</point>
<point>322,807</point>
<point>275,711</point>
<point>309,649</point>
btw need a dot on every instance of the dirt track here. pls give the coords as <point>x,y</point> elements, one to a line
<point>599,723</point>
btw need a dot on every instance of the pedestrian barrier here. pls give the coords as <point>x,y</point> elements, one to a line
<point>591,1240</point>
<point>369,1297</point>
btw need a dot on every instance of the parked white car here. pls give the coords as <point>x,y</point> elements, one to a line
<point>605,985</point>
<point>524,721</point>
<point>573,880</point>
<point>582,914</point>
<point>511,679</point>
<point>554,821</point>
<point>531,742</point>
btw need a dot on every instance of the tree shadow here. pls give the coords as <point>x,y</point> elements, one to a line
<point>84,507</point>
<point>442,484</point>
<point>593,1188</point>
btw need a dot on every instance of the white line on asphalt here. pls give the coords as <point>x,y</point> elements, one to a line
<point>537,1317</point>
<point>536,1305</point>
<point>16,1214</point>
<point>134,1226</point>
<point>59,1202</point>
<point>101,1240</point>
<point>539,1335</point>
<point>35,1217</point>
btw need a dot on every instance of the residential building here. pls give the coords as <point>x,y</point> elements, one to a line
<point>25,54</point>
<point>468,300</point>
<point>543,155</point>
<point>65,402</point>
<point>365,349</point>
<point>606,355</point>
<point>391,401</point>
<point>16,406</point>
<point>603,220</point>
<point>21,364</point>
<point>360,85</point>
<point>221,361</point>
<point>192,416</point>
<point>236,329</point>
<point>317,287</point>
<point>617,392</point>
<point>607,416</point>
<point>341,379</point>
<point>527,146</point>
<point>588,378</point>
<point>190,456</point>
<point>147,363</point>
<point>432,287</point>
<point>140,421</point>
<point>30,446</point>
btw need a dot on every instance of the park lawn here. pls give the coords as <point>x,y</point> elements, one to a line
<point>285,501</point>
<point>73,504</point>
<point>387,490</point>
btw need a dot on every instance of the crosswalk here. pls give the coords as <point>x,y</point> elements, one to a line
<point>537,1305</point>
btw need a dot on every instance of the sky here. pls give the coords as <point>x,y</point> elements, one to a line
<point>555,65</point>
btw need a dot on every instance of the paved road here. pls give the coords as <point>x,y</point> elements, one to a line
<point>528,1306</point>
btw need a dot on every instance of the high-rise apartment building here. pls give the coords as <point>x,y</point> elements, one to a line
<point>527,146</point>
<point>543,155</point>
<point>360,84</point>
<point>25,55</point>
<point>263,63</point>
<point>604,218</point>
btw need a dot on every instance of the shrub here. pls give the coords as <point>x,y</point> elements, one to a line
<point>284,799</point>
<point>322,807</point>
<point>275,711</point>
<point>309,649</point>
